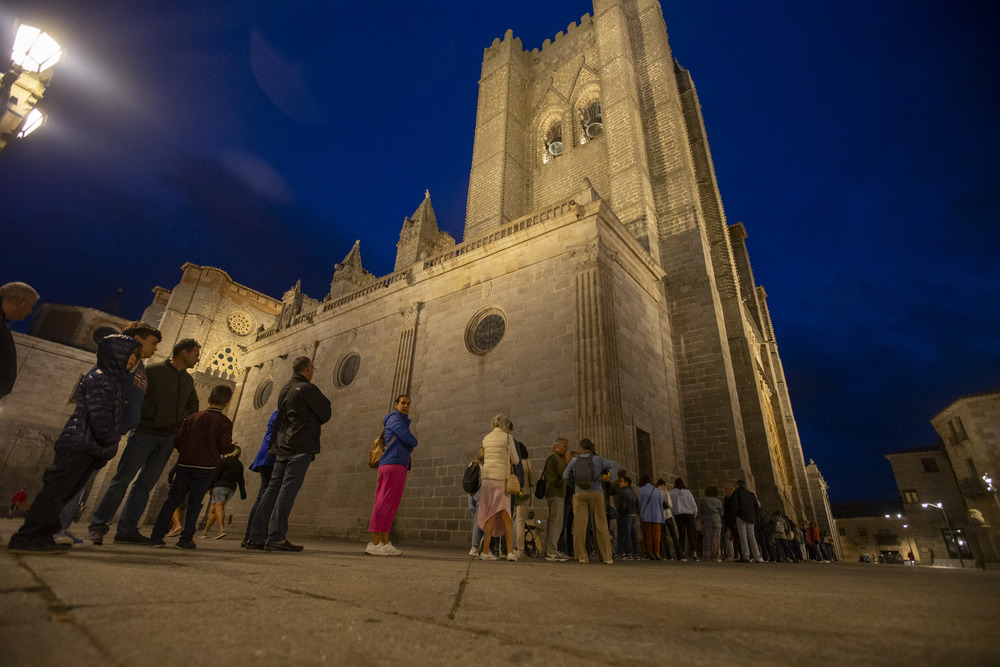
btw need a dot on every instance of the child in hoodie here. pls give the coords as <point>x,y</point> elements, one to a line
<point>87,442</point>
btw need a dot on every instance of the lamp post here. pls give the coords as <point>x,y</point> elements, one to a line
<point>23,84</point>
<point>958,545</point>
<point>905,532</point>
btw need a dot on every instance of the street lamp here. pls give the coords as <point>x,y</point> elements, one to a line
<point>28,74</point>
<point>905,532</point>
<point>958,544</point>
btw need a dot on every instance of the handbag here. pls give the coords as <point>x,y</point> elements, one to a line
<point>513,486</point>
<point>378,449</point>
<point>540,488</point>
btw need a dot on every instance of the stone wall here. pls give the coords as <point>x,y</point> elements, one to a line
<point>34,413</point>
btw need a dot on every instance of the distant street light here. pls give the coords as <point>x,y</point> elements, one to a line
<point>24,82</point>
<point>958,544</point>
<point>905,526</point>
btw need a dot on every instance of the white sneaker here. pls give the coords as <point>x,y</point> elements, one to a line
<point>375,550</point>
<point>474,551</point>
<point>389,550</point>
<point>512,556</point>
<point>486,555</point>
<point>64,537</point>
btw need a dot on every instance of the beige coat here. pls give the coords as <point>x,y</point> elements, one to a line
<point>499,452</point>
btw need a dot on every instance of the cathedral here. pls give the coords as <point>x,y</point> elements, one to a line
<point>598,291</point>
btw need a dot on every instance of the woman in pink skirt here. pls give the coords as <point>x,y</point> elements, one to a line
<point>392,469</point>
<point>499,453</point>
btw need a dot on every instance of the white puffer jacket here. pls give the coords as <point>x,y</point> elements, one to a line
<point>499,452</point>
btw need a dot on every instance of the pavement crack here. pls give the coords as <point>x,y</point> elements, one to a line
<point>63,613</point>
<point>461,591</point>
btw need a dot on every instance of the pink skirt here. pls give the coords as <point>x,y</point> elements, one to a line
<point>388,493</point>
<point>493,499</point>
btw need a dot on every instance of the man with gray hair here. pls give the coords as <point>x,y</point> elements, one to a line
<point>16,302</point>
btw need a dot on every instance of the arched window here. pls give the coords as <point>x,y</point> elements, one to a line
<point>591,121</point>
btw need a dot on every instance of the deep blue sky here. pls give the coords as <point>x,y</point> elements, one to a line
<point>857,141</point>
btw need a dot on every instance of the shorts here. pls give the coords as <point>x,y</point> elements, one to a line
<point>221,494</point>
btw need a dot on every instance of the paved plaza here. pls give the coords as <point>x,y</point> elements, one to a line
<point>332,604</point>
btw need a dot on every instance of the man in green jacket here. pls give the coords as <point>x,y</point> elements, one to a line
<point>555,496</point>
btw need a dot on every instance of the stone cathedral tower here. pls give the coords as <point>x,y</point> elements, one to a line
<point>606,102</point>
<point>598,292</point>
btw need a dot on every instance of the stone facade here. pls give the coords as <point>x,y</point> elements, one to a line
<point>598,292</point>
<point>924,475</point>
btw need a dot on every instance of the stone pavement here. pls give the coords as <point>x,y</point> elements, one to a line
<point>220,605</point>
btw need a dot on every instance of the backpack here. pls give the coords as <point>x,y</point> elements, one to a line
<point>471,479</point>
<point>583,472</point>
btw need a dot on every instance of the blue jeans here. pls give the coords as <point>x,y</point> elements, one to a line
<point>190,482</point>
<point>146,455</point>
<point>265,480</point>
<point>272,513</point>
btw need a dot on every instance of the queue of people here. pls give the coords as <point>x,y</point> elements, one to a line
<point>592,507</point>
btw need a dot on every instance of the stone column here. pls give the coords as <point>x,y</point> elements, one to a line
<point>404,356</point>
<point>598,391</point>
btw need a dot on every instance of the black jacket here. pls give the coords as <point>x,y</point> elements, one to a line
<point>302,409</point>
<point>170,398</point>
<point>229,475</point>
<point>745,504</point>
<point>8,357</point>
<point>93,427</point>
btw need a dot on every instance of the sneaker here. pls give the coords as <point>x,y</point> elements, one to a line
<point>201,536</point>
<point>375,550</point>
<point>608,562</point>
<point>186,544</point>
<point>220,536</point>
<point>131,538</point>
<point>64,537</point>
<point>157,544</point>
<point>95,536</point>
<point>512,556</point>
<point>390,550</point>
<point>474,551</point>
<point>556,558</point>
<point>486,555</point>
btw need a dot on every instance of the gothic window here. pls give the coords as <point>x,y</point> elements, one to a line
<point>485,331</point>
<point>591,122</point>
<point>347,370</point>
<point>553,147</point>
<point>224,362</point>
<point>263,393</point>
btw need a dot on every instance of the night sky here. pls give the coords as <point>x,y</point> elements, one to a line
<point>857,141</point>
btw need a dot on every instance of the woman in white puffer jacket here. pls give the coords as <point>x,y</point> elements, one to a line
<point>499,453</point>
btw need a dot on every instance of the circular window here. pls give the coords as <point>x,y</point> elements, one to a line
<point>485,331</point>
<point>263,393</point>
<point>347,369</point>
<point>239,323</point>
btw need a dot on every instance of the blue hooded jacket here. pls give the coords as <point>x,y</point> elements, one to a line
<point>397,429</point>
<point>93,427</point>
